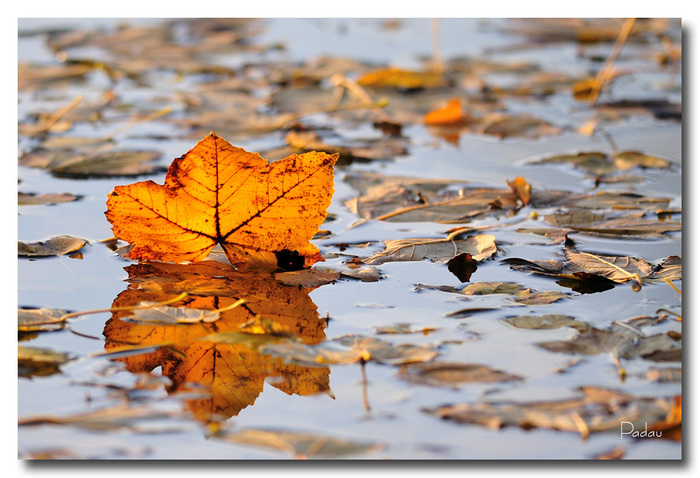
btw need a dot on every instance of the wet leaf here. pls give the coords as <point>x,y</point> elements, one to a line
<point>400,199</point>
<point>33,320</point>
<point>624,341</point>
<point>508,126</point>
<point>307,277</point>
<point>300,445</point>
<point>606,225</point>
<point>545,322</point>
<point>137,419</point>
<point>480,247</point>
<point>448,115</point>
<point>601,164</point>
<point>402,79</point>
<point>37,361</point>
<point>218,194</point>
<point>665,375</point>
<point>521,189</point>
<point>31,199</point>
<point>588,267</point>
<point>56,246</point>
<point>382,149</point>
<point>350,349</point>
<point>92,160</point>
<point>402,328</point>
<point>453,374</point>
<point>670,269</point>
<point>594,410</point>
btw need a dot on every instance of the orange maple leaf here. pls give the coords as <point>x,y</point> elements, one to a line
<point>219,194</point>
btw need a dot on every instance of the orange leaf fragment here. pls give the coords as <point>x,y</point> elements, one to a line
<point>220,194</point>
<point>449,115</point>
<point>521,189</point>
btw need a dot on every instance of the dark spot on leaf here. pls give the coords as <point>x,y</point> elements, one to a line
<point>289,260</point>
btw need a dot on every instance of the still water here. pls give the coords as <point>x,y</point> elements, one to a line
<point>371,403</point>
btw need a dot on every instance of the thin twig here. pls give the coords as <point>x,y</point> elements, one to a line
<point>605,73</point>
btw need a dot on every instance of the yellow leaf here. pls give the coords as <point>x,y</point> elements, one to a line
<point>397,78</point>
<point>220,194</point>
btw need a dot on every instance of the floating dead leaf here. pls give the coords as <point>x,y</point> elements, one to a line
<point>307,277</point>
<point>493,287</point>
<point>453,374</point>
<point>588,267</point>
<point>480,247</point>
<point>451,114</point>
<point>665,375</point>
<point>382,149</point>
<point>670,269</point>
<point>510,126</point>
<point>595,410</point>
<point>56,246</point>
<point>606,224</point>
<point>545,322</point>
<point>602,164</point>
<point>138,419</point>
<point>622,339</point>
<point>38,361</point>
<point>521,189</point>
<point>402,79</point>
<point>218,194</point>
<point>33,77</point>
<point>31,199</point>
<point>402,328</point>
<point>43,319</point>
<point>92,161</point>
<point>300,445</point>
<point>350,349</point>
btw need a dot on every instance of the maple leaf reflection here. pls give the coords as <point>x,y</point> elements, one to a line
<point>233,373</point>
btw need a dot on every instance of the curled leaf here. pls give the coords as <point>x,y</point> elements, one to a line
<point>56,246</point>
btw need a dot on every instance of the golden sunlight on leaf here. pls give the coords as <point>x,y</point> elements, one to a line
<point>218,194</point>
